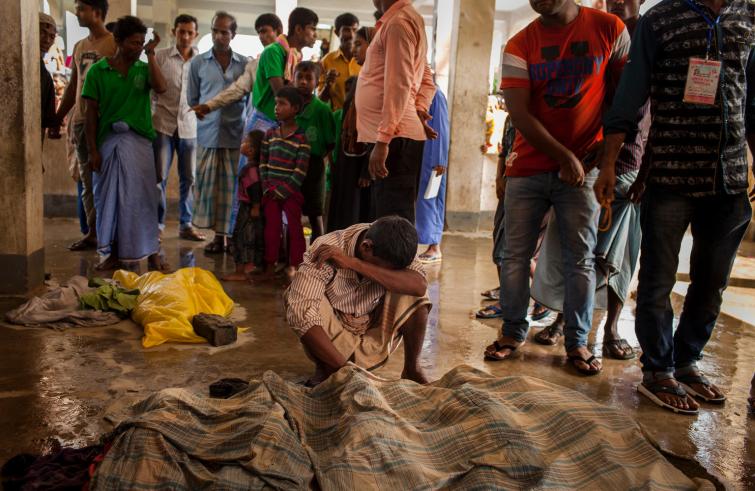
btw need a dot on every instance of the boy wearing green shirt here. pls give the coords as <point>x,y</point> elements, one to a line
<point>276,66</point>
<point>317,121</point>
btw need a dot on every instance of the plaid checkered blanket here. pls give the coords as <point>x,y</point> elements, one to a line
<point>469,430</point>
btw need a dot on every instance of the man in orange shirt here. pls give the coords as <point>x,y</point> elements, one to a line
<point>556,74</point>
<point>394,92</point>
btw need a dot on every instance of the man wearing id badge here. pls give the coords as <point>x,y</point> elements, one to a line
<point>701,84</point>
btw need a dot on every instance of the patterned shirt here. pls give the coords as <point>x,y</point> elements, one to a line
<point>351,296</point>
<point>697,150</point>
<point>283,162</point>
<point>566,69</point>
<point>170,110</point>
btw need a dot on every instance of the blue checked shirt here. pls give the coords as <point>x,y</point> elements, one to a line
<point>222,128</point>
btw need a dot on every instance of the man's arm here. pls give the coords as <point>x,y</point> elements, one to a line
<point>426,90</point>
<point>69,96</point>
<point>402,281</point>
<point>750,109</point>
<point>192,91</point>
<point>90,128</point>
<point>276,83</point>
<point>537,135</point>
<point>620,122</point>
<point>156,78</point>
<point>302,300</point>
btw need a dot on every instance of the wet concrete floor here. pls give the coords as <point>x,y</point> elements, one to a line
<point>60,385</point>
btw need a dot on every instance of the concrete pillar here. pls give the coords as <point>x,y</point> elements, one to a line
<point>119,8</point>
<point>163,15</point>
<point>443,29</point>
<point>283,9</point>
<point>22,259</point>
<point>468,94</point>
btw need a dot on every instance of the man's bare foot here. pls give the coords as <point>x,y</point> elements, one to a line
<point>415,375</point>
<point>87,242</point>
<point>236,276</point>
<point>155,262</point>
<point>111,263</point>
<point>686,403</point>
<point>584,361</point>
<point>502,348</point>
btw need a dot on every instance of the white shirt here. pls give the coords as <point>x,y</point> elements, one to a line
<point>170,110</point>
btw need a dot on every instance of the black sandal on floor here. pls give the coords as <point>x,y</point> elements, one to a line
<point>550,335</point>
<point>650,391</point>
<point>686,382</point>
<point>498,347</point>
<point>573,359</point>
<point>215,247</point>
<point>613,347</point>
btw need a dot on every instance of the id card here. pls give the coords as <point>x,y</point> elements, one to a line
<point>702,81</point>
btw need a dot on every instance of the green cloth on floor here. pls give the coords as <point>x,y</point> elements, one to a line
<point>109,297</point>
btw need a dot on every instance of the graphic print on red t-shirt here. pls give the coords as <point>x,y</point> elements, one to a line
<point>565,69</point>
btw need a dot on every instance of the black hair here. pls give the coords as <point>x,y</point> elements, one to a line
<point>291,95</point>
<point>100,5</point>
<point>225,15</point>
<point>185,19</point>
<point>127,26</point>
<point>256,137</point>
<point>345,20</point>
<point>303,17</point>
<point>394,239</point>
<point>366,33</point>
<point>309,66</point>
<point>110,26</point>
<point>378,15</point>
<point>271,20</point>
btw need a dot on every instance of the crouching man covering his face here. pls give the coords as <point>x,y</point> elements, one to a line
<point>358,292</point>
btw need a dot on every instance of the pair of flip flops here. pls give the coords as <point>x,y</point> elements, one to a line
<point>683,389</point>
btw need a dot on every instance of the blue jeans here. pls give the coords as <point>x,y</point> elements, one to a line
<point>718,225</point>
<point>526,202</point>
<point>186,151</point>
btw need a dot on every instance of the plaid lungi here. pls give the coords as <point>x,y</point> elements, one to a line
<point>215,190</point>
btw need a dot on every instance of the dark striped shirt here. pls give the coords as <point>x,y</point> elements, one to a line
<point>283,162</point>
<point>697,150</point>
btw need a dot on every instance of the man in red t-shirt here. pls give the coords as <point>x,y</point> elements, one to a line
<point>556,74</point>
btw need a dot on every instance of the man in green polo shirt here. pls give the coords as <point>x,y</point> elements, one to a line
<point>318,123</point>
<point>119,136</point>
<point>277,63</point>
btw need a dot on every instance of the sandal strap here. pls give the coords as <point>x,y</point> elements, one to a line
<point>656,388</point>
<point>692,378</point>
<point>499,346</point>
<point>579,358</point>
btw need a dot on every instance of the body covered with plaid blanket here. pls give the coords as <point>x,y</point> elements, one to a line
<point>469,430</point>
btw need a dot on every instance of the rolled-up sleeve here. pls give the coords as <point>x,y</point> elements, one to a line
<point>750,102</point>
<point>306,293</point>
<point>634,86</point>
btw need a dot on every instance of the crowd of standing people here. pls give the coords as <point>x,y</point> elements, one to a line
<point>602,159</point>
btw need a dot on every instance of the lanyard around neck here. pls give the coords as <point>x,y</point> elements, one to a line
<point>712,24</point>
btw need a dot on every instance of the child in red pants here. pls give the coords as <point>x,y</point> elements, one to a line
<point>284,159</point>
